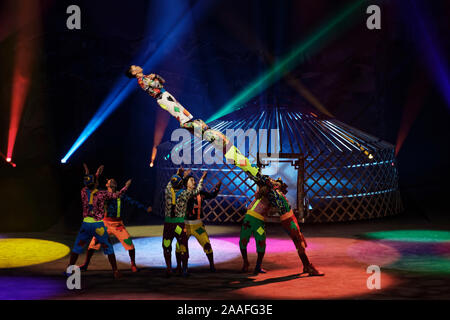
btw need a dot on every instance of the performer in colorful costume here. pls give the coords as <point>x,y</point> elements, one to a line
<point>114,225</point>
<point>93,202</point>
<point>201,130</point>
<point>290,224</point>
<point>194,224</point>
<point>153,85</point>
<point>253,223</point>
<point>176,199</point>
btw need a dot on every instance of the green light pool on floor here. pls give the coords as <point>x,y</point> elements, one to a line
<point>423,264</point>
<point>411,235</point>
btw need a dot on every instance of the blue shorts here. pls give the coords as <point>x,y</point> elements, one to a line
<point>89,230</point>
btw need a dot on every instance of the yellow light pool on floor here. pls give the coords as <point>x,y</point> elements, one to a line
<point>20,252</point>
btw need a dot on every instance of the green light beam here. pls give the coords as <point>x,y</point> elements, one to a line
<point>277,71</point>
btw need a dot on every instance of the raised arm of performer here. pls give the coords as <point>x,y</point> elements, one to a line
<point>108,195</point>
<point>195,226</point>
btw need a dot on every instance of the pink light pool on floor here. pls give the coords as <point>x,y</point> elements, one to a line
<point>274,245</point>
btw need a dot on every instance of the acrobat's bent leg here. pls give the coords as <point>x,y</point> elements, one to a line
<point>246,232</point>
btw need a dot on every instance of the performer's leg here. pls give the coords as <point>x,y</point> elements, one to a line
<point>178,258</point>
<point>238,159</point>
<point>246,232</point>
<point>210,257</point>
<point>201,130</point>
<point>171,105</point>
<point>89,254</point>
<point>168,235</point>
<point>260,239</point>
<point>132,254</point>
<point>73,258</point>
<point>199,231</point>
<point>117,228</point>
<point>84,235</point>
<point>178,250</point>
<point>245,260</point>
<point>180,234</point>
<point>112,262</point>
<point>93,246</point>
<point>102,236</point>
<point>290,225</point>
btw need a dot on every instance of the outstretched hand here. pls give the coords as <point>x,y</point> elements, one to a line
<point>204,175</point>
<point>180,171</point>
<point>127,184</point>
<point>219,185</point>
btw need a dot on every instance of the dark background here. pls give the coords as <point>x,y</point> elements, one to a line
<point>374,80</point>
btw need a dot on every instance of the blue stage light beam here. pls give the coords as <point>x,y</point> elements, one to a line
<point>124,86</point>
<point>433,56</point>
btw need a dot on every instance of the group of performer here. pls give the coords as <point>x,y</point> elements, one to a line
<point>184,202</point>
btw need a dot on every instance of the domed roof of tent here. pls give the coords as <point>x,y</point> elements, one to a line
<point>301,131</point>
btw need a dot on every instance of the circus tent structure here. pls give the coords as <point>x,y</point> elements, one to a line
<point>334,172</point>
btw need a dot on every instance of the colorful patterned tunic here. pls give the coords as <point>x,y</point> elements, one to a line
<point>276,198</point>
<point>152,86</point>
<point>176,200</point>
<point>93,201</point>
<point>114,206</point>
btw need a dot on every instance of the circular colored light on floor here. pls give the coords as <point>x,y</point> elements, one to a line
<point>149,252</point>
<point>274,245</point>
<point>373,253</point>
<point>30,288</point>
<point>26,252</point>
<point>423,264</point>
<point>411,235</point>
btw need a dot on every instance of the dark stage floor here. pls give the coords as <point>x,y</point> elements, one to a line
<point>415,264</point>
